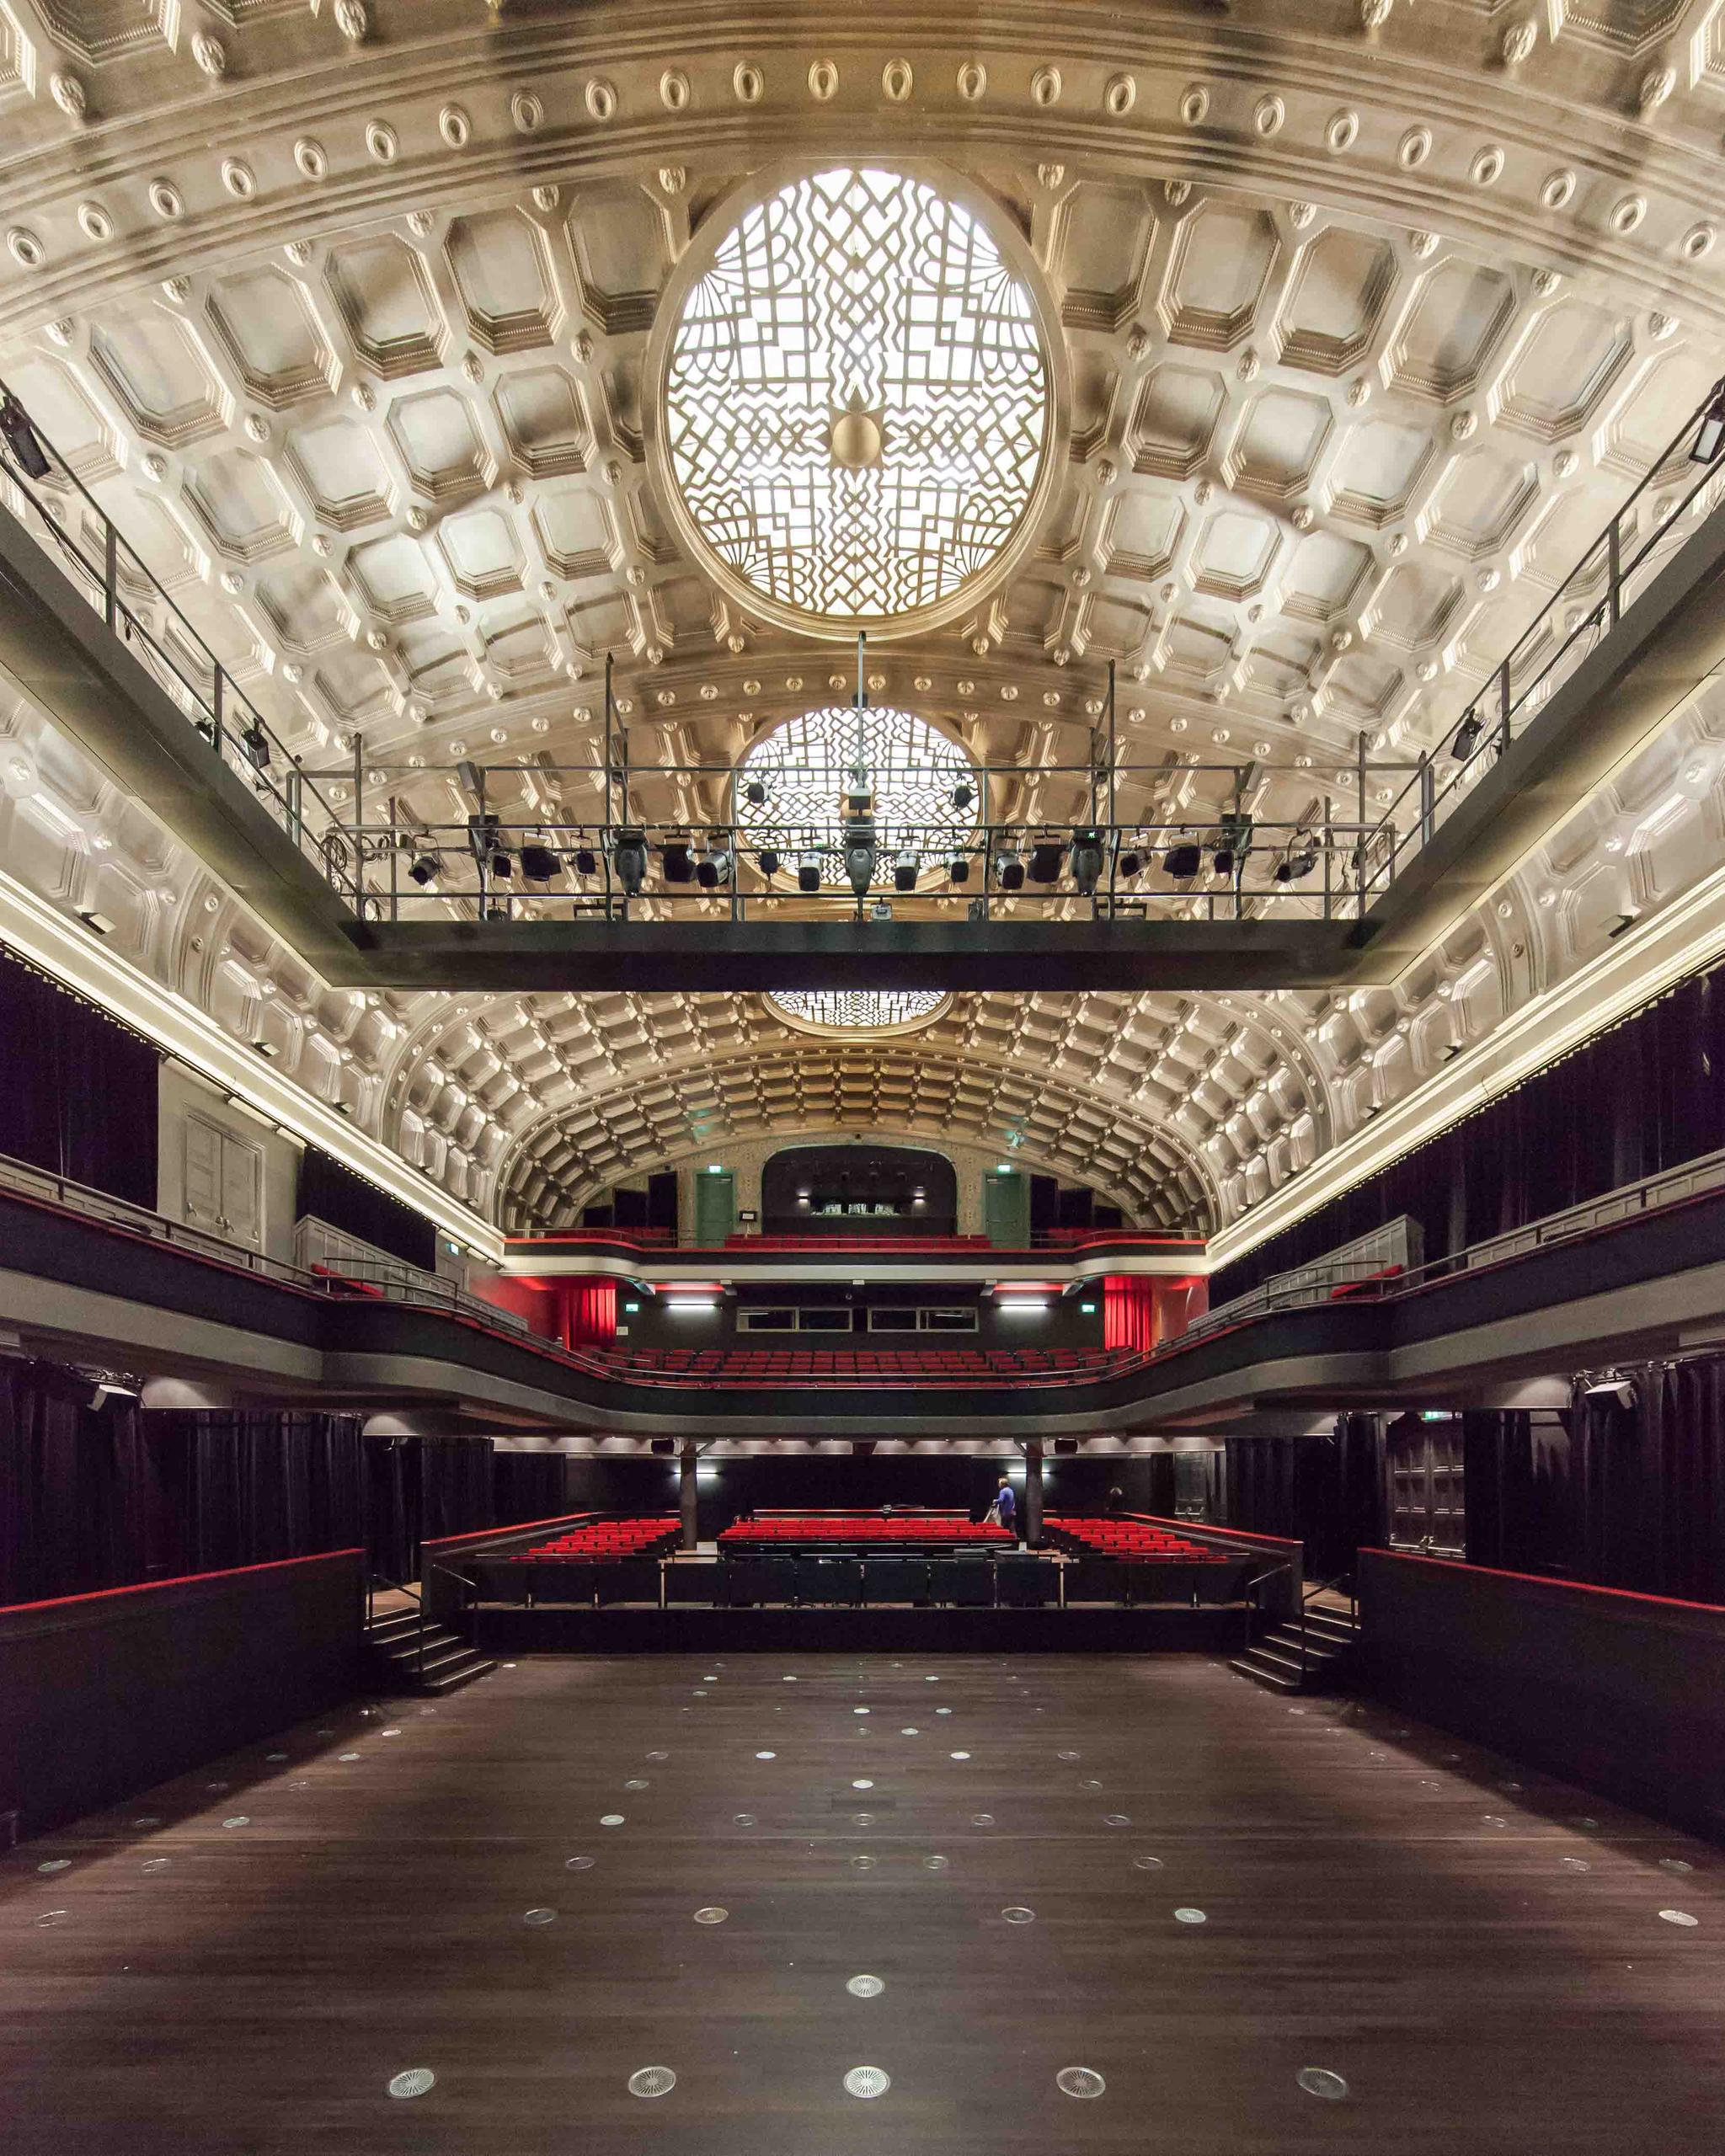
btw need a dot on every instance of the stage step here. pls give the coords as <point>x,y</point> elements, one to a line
<point>1276,1661</point>
<point>446,1664</point>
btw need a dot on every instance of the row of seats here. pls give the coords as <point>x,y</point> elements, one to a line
<point>608,1540</point>
<point>752,1581</point>
<point>871,1527</point>
<point>941,1246</point>
<point>936,1366</point>
<point>1126,1538</point>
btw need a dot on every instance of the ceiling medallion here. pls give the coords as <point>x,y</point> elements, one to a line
<point>853,1010</point>
<point>857,382</point>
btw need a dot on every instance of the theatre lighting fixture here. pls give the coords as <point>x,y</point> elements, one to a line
<point>963,793</point>
<point>539,864</point>
<point>586,862</point>
<point>1009,871</point>
<point>1466,738</point>
<point>628,856</point>
<point>905,872</point>
<point>1300,860</point>
<point>1619,1390</point>
<point>754,793</point>
<point>267,1048</point>
<point>1131,863</point>
<point>768,860</point>
<point>714,866</point>
<point>860,856</point>
<point>1046,856</point>
<point>808,872</point>
<point>425,868</point>
<point>1710,435</point>
<point>1182,861</point>
<point>679,863</point>
<point>502,866</point>
<point>1236,840</point>
<point>256,743</point>
<point>98,923</point>
<point>21,438</point>
<point>1086,859</point>
<point>959,868</point>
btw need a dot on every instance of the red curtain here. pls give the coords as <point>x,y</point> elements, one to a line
<point>1128,1312</point>
<point>588,1312</point>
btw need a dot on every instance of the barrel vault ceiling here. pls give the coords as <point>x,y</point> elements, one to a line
<point>1373,313</point>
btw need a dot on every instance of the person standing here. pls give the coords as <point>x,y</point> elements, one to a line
<point>1004,1510</point>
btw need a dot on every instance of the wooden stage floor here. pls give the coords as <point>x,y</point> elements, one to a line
<point>579,1870</point>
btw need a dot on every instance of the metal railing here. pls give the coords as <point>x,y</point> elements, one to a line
<point>1253,1600</point>
<point>78,534</point>
<point>383,865</point>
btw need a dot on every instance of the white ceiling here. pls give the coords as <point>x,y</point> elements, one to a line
<point>1374,313</point>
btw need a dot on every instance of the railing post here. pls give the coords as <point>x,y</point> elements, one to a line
<point>1614,570</point>
<point>1504,700</point>
<point>110,574</point>
<point>216,705</point>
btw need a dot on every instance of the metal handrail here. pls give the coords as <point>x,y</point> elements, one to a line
<point>1253,1602</point>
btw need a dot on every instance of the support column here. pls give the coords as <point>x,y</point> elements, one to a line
<point>688,1494</point>
<point>1032,1496</point>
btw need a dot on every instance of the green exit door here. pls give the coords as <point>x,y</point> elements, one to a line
<point>1006,1209</point>
<point>715,1206</point>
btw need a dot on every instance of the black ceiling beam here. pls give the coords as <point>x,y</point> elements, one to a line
<point>721,957</point>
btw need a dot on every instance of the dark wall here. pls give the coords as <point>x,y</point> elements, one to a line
<point>80,1093</point>
<point>1621,1497</point>
<point>103,1497</point>
<point>1063,1325</point>
<point>1327,1492</point>
<point>1631,1103</point>
<point>103,1696</point>
<point>863,1174</point>
<point>329,1192</point>
<point>1621,1692</point>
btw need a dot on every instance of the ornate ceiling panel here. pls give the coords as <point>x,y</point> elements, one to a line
<point>1372,313</point>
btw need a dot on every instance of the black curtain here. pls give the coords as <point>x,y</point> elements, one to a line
<point>80,1094</point>
<point>1644,1097</point>
<point>1629,1496</point>
<point>420,1489</point>
<point>334,1193</point>
<point>1327,1492</point>
<point>530,1485</point>
<point>109,1496</point>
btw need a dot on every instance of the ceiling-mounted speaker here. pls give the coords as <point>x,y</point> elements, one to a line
<point>665,1447</point>
<point>1066,1447</point>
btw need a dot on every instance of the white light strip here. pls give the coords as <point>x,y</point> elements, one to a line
<point>1685,938</point>
<point>67,950</point>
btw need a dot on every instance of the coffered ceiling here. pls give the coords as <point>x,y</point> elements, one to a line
<point>1372,314</point>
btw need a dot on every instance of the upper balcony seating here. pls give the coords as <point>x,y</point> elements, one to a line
<point>605,1538</point>
<point>777,1366</point>
<point>921,1530</point>
<point>1129,1538</point>
<point>813,1243</point>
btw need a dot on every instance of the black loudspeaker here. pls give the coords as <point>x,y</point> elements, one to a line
<point>664,1447</point>
<point>1065,1448</point>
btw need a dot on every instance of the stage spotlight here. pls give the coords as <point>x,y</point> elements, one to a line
<point>502,866</point>
<point>754,793</point>
<point>1709,435</point>
<point>256,745</point>
<point>860,856</point>
<point>1009,871</point>
<point>539,864</point>
<point>628,856</point>
<point>808,872</point>
<point>959,868</point>
<point>21,438</point>
<point>1046,856</point>
<point>1235,841</point>
<point>1131,864</point>
<point>1297,864</point>
<point>426,869</point>
<point>714,866</point>
<point>1086,859</point>
<point>679,863</point>
<point>1182,861</point>
<point>586,862</point>
<point>482,837</point>
<point>963,793</point>
<point>1467,738</point>
<point>768,860</point>
<point>905,870</point>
